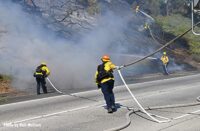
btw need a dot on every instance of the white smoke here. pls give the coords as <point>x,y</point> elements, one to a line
<point>27,43</point>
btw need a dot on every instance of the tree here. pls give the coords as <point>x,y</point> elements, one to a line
<point>69,15</point>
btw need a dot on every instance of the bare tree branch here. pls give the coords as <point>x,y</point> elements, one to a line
<point>67,13</point>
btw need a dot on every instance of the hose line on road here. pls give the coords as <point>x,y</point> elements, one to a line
<point>54,86</point>
<point>152,116</point>
<point>127,123</point>
<point>60,92</point>
<point>132,111</point>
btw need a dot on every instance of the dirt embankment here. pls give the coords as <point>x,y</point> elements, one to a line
<point>5,86</point>
<point>7,91</point>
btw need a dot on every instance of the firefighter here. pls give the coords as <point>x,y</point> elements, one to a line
<point>40,74</point>
<point>105,81</point>
<point>137,6</point>
<point>165,62</point>
<point>146,26</point>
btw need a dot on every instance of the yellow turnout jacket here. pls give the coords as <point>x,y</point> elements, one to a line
<point>165,59</point>
<point>109,66</point>
<point>43,72</point>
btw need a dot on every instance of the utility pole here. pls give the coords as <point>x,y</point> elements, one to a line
<point>167,7</point>
<point>195,5</point>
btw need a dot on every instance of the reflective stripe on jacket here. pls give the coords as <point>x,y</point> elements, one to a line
<point>108,66</point>
<point>42,71</point>
<point>46,70</point>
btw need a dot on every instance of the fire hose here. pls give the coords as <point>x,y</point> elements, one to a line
<point>157,42</point>
<point>152,116</point>
<point>60,92</point>
<point>140,106</point>
<point>159,49</point>
<point>54,86</point>
<point>131,111</point>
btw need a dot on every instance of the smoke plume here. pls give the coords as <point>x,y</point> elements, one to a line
<point>27,43</point>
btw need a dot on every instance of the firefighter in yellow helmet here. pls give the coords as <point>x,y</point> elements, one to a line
<point>165,62</point>
<point>41,72</point>
<point>105,80</point>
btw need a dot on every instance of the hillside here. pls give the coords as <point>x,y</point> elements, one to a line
<point>82,15</point>
<point>189,48</point>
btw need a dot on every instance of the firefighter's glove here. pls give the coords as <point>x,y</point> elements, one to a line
<point>118,67</point>
<point>99,86</point>
<point>45,76</point>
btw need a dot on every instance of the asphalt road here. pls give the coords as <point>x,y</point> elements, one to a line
<point>85,111</point>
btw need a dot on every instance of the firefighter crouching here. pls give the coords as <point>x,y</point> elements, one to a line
<point>105,80</point>
<point>165,62</point>
<point>40,74</point>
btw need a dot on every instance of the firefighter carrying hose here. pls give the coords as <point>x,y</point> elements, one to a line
<point>165,62</point>
<point>146,26</point>
<point>105,81</point>
<point>42,71</point>
<point>134,6</point>
<point>137,6</point>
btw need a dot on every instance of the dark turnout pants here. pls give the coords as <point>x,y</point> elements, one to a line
<point>107,90</point>
<point>165,69</point>
<point>41,82</point>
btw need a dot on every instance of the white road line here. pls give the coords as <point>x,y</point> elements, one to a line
<point>61,112</point>
<point>29,101</point>
<point>48,115</point>
<point>188,114</point>
<point>85,107</point>
<point>136,84</point>
<point>75,109</point>
<point>84,92</point>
